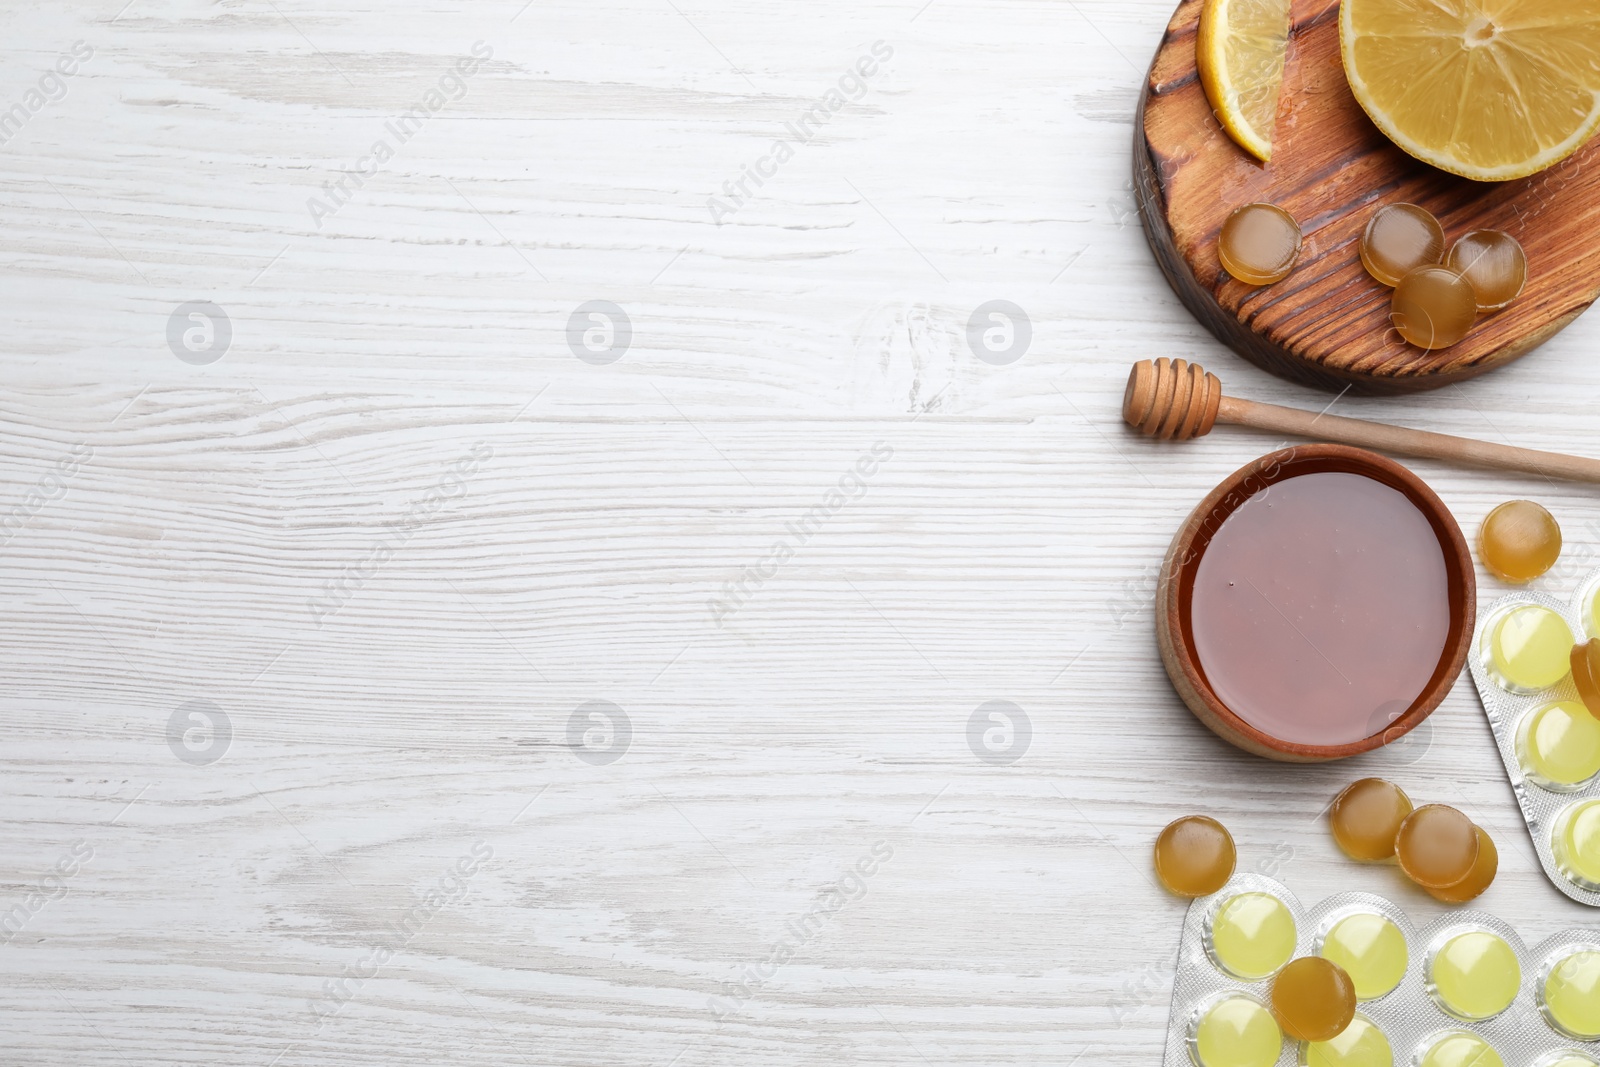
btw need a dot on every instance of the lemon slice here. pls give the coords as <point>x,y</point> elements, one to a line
<point>1487,89</point>
<point>1240,54</point>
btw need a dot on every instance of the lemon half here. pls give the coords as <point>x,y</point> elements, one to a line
<point>1240,54</point>
<point>1487,89</point>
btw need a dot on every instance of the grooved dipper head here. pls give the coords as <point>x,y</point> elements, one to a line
<point>1171,399</point>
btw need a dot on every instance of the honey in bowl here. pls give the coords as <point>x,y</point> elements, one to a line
<point>1321,608</point>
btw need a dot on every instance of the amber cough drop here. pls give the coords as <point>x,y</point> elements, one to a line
<point>1519,541</point>
<point>1586,674</point>
<point>1494,264</point>
<point>1259,244</point>
<point>1399,239</point>
<point>1437,846</point>
<point>1313,999</point>
<point>1366,817</point>
<point>1433,307</point>
<point>1484,868</point>
<point>1195,856</point>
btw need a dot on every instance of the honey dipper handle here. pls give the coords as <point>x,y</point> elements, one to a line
<point>1406,441</point>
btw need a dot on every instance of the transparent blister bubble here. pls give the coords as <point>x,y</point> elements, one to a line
<point>1567,983</point>
<point>1201,981</point>
<point>1557,790</point>
<point>1583,605</point>
<point>1439,990</point>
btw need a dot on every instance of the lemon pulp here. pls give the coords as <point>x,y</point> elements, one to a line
<point>1572,995</point>
<point>1360,1045</point>
<point>1238,1032</point>
<point>1560,744</point>
<point>1252,935</point>
<point>1372,951</point>
<point>1476,975</point>
<point>1488,89</point>
<point>1240,52</point>
<point>1531,648</point>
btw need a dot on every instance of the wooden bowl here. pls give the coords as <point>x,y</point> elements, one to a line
<point>1175,592</point>
<point>1327,324</point>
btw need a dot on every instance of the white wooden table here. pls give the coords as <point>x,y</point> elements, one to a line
<point>389,529</point>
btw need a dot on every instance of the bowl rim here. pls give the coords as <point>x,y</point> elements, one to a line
<point>1207,517</point>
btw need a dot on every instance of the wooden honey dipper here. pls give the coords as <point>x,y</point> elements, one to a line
<point>1176,400</point>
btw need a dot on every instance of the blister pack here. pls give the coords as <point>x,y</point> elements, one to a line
<point>1548,741</point>
<point>1461,991</point>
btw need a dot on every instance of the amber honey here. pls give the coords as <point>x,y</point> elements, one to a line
<point>1259,244</point>
<point>1359,568</point>
<point>1313,999</point>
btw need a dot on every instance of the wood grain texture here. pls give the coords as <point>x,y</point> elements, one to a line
<point>1327,324</point>
<point>1175,400</point>
<point>1007,551</point>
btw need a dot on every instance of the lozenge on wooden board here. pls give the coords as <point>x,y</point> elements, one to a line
<point>1327,324</point>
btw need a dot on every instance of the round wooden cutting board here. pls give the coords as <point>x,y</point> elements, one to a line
<point>1327,324</point>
